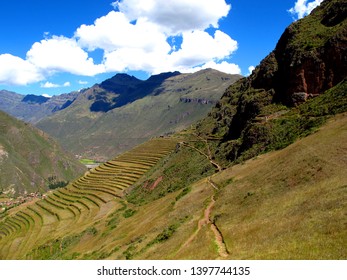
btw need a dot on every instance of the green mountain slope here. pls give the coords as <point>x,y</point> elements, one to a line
<point>28,157</point>
<point>164,105</point>
<point>287,204</point>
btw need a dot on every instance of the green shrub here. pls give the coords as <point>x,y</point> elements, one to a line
<point>183,193</point>
<point>54,183</point>
<point>128,213</point>
<point>165,234</point>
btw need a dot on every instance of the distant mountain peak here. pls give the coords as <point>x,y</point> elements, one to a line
<point>35,99</point>
<point>162,76</point>
<point>123,77</point>
<point>128,89</point>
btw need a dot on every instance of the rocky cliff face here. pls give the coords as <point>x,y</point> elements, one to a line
<point>309,58</point>
<point>312,54</point>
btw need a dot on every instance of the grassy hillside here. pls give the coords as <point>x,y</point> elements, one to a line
<point>286,204</point>
<point>173,105</point>
<point>28,158</point>
<point>289,204</point>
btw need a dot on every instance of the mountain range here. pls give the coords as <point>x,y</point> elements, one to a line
<point>261,176</point>
<point>32,108</point>
<point>122,112</point>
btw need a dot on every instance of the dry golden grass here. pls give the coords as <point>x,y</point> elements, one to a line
<point>288,204</point>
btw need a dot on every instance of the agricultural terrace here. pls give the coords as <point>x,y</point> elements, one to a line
<point>81,203</point>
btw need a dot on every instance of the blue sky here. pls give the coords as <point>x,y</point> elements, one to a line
<point>53,47</point>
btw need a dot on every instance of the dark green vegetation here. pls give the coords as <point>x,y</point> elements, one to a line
<point>277,126</point>
<point>58,249</point>
<point>29,158</point>
<point>127,111</point>
<point>54,183</point>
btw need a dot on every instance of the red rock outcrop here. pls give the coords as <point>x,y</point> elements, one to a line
<point>310,57</point>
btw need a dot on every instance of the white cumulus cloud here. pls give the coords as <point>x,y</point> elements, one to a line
<point>61,54</point>
<point>199,47</point>
<point>303,7</point>
<point>250,69</point>
<point>137,35</point>
<point>226,67</point>
<point>49,85</point>
<point>17,71</point>
<point>176,16</point>
<point>52,85</point>
<point>114,31</point>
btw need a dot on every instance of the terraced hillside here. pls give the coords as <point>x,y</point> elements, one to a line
<point>287,204</point>
<point>78,206</point>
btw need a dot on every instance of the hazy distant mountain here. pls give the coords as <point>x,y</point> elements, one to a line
<point>124,111</point>
<point>32,108</point>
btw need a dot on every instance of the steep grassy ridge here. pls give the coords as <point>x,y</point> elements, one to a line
<point>28,157</point>
<point>289,204</point>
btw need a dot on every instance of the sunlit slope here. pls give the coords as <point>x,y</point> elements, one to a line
<point>80,205</point>
<point>288,204</point>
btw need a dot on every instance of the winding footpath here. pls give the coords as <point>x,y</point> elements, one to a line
<point>206,220</point>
